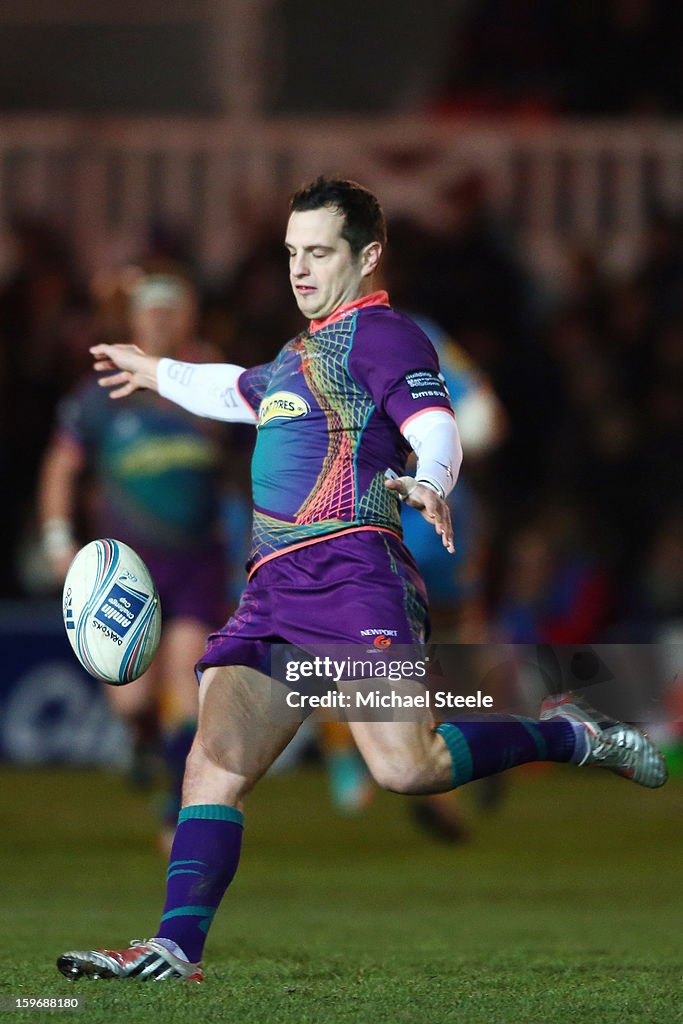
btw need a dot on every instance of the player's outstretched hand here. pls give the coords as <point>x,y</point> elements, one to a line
<point>427,501</point>
<point>137,370</point>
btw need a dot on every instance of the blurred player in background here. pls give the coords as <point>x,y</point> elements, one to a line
<point>156,474</point>
<point>341,404</point>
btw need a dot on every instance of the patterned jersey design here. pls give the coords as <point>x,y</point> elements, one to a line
<point>323,441</point>
<point>347,407</point>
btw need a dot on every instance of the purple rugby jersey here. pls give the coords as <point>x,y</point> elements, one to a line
<point>330,407</point>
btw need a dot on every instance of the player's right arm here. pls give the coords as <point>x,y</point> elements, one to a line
<point>205,389</point>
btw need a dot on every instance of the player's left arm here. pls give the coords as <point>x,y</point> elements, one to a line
<point>397,364</point>
<point>433,436</point>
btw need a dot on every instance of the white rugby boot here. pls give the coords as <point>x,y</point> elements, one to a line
<point>144,960</point>
<point>612,744</point>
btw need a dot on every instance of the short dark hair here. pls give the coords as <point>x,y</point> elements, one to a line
<point>363,217</point>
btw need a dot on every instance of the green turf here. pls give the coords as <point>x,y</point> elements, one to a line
<point>564,906</point>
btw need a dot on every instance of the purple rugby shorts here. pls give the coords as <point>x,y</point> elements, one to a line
<point>356,588</point>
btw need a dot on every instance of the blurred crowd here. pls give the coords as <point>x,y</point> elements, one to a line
<point>579,509</point>
<point>547,57</point>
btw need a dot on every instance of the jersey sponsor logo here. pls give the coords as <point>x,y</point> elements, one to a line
<point>382,641</point>
<point>282,405</point>
<point>426,384</point>
<point>160,453</point>
<point>379,632</point>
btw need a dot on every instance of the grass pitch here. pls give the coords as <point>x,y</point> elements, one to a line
<point>564,907</point>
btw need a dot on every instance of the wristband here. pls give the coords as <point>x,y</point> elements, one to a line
<point>57,537</point>
<point>435,486</point>
<point>390,474</point>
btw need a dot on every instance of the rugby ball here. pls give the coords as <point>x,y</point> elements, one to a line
<point>112,612</point>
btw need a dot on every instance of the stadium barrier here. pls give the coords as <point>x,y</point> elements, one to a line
<point>51,711</point>
<point>573,182</point>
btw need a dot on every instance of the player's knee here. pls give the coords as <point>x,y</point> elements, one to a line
<point>400,775</point>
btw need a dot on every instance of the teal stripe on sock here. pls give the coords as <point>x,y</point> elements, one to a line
<point>536,735</point>
<point>207,912</point>
<point>179,863</point>
<point>184,871</point>
<point>459,750</point>
<point>212,812</point>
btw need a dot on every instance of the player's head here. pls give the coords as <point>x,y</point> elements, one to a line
<point>335,235</point>
<point>162,313</point>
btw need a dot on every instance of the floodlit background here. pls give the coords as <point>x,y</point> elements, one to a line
<point>529,157</point>
<point>530,161</point>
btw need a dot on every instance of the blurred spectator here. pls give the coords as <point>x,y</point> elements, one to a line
<point>509,57</point>
<point>660,269</point>
<point>543,58</point>
<point>258,298</point>
<point>44,337</point>
<point>627,55</point>
<point>659,589</point>
<point>591,379</point>
<point>469,277</point>
<point>553,589</point>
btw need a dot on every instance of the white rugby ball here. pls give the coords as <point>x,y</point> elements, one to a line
<point>112,612</point>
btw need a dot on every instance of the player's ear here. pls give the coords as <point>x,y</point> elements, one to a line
<point>370,257</point>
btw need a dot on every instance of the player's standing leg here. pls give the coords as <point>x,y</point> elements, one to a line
<point>237,740</point>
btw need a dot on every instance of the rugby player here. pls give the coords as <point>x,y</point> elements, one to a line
<point>157,471</point>
<point>343,402</point>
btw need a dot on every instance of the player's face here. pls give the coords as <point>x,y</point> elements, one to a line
<point>323,271</point>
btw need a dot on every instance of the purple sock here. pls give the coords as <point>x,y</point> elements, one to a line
<point>204,859</point>
<point>482,745</point>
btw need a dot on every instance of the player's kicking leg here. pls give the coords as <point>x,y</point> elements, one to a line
<point>237,741</point>
<point>421,757</point>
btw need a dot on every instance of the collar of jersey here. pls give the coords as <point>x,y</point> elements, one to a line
<point>374,299</point>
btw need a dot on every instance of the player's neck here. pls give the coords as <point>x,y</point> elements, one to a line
<point>379,298</point>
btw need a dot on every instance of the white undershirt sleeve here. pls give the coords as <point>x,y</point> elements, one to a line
<point>433,436</point>
<point>206,389</point>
